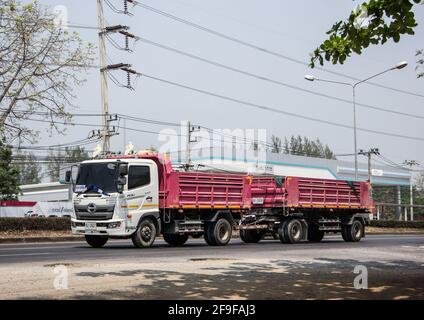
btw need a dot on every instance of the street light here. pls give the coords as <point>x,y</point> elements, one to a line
<point>398,66</point>
<point>401,65</point>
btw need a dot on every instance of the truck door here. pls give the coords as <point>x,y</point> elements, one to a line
<point>142,194</point>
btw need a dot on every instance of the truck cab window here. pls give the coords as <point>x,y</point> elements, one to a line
<point>138,176</point>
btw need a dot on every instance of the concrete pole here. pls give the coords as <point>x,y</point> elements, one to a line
<point>411,199</point>
<point>399,202</point>
<point>354,132</point>
<point>125,135</point>
<point>103,77</point>
<point>188,140</point>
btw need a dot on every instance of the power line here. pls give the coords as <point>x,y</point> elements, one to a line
<point>384,160</point>
<point>261,49</point>
<point>277,82</point>
<point>90,125</point>
<point>272,109</point>
<point>166,123</point>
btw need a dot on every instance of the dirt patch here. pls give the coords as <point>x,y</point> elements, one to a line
<point>52,265</point>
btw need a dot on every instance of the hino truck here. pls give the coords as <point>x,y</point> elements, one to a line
<point>141,196</point>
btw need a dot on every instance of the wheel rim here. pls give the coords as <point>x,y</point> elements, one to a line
<point>295,231</point>
<point>357,230</point>
<point>223,232</point>
<point>146,233</point>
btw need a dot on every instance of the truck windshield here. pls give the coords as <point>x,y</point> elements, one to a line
<point>100,175</point>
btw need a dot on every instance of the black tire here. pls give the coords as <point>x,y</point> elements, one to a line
<point>281,233</point>
<point>353,232</point>
<point>345,233</point>
<point>207,232</point>
<point>250,236</point>
<point>145,234</point>
<point>96,241</point>
<point>219,232</point>
<point>175,239</point>
<point>293,231</point>
<point>314,234</point>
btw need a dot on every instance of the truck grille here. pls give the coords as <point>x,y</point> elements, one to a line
<point>102,212</point>
<point>94,216</point>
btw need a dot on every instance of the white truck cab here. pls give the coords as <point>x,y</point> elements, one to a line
<point>116,198</point>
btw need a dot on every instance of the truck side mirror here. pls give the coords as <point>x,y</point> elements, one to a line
<point>123,169</point>
<point>121,182</point>
<point>68,176</point>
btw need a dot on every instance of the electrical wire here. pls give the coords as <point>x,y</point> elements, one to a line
<point>264,50</point>
<point>272,109</point>
<point>276,82</point>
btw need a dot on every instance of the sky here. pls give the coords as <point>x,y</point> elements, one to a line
<point>292,28</point>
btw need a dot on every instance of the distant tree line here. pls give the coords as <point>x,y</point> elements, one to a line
<point>301,146</point>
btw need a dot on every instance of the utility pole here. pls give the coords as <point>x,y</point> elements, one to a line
<point>369,154</point>
<point>411,163</point>
<point>103,77</point>
<point>104,32</point>
<point>189,139</point>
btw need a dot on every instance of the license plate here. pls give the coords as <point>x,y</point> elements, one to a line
<point>257,200</point>
<point>90,226</point>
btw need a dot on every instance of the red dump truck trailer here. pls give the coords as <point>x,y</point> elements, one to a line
<point>142,196</point>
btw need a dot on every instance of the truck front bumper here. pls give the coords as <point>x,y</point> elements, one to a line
<point>111,228</point>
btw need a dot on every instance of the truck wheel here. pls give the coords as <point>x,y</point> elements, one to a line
<point>250,236</point>
<point>145,234</point>
<point>207,233</point>
<point>314,234</point>
<point>281,233</point>
<point>353,232</point>
<point>96,241</point>
<point>293,231</point>
<point>175,239</point>
<point>219,232</point>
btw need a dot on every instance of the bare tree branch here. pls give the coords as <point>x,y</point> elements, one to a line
<point>40,65</point>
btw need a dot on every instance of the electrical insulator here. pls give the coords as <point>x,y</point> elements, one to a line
<point>126,43</point>
<point>126,6</point>
<point>128,80</point>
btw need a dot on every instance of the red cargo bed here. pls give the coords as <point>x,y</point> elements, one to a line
<point>195,190</point>
<point>295,192</point>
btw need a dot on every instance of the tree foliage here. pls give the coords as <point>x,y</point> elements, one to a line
<point>9,174</point>
<point>276,144</point>
<point>420,63</point>
<point>374,22</point>
<point>61,160</point>
<point>29,169</point>
<point>302,146</point>
<point>39,67</point>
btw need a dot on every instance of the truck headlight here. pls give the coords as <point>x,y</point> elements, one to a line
<point>114,225</point>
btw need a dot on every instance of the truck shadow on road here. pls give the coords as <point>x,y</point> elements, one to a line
<point>235,243</point>
<point>278,279</point>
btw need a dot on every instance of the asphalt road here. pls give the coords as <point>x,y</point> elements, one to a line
<point>268,270</point>
<point>122,249</point>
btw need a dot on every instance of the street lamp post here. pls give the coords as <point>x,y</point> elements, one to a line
<point>399,66</point>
